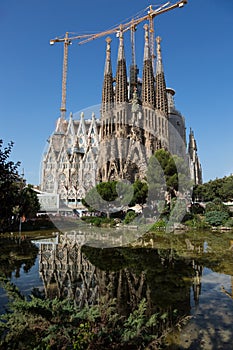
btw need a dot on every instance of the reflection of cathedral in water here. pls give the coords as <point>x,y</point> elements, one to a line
<point>129,275</point>
<point>66,272</point>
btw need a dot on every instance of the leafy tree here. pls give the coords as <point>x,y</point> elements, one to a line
<point>218,188</point>
<point>169,170</point>
<point>226,189</point>
<point>16,199</point>
<point>9,180</point>
<point>130,216</point>
<point>156,177</point>
<point>29,203</point>
<point>216,205</point>
<point>109,197</point>
<point>140,193</point>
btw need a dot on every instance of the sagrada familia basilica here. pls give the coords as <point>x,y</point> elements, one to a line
<point>137,117</point>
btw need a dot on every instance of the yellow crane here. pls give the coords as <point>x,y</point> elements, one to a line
<point>130,25</point>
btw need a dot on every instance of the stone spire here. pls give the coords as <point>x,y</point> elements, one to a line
<point>192,147</point>
<point>160,90</point>
<point>133,78</point>
<point>148,92</point>
<point>121,75</point>
<point>195,166</point>
<point>107,91</point>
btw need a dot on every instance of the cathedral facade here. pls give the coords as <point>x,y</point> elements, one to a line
<point>137,117</point>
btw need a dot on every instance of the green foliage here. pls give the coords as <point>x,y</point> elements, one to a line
<point>156,179</point>
<point>29,203</point>
<point>135,322</point>
<point>229,222</point>
<point>158,225</point>
<point>109,197</point>
<point>216,218</point>
<point>99,221</point>
<point>139,326</point>
<point>170,173</point>
<point>216,205</point>
<point>55,324</point>
<point>130,216</point>
<point>140,193</point>
<point>218,188</point>
<point>197,222</point>
<point>16,199</point>
<point>9,180</point>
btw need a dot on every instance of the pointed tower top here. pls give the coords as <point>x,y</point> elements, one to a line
<point>147,46</point>
<point>192,142</point>
<point>148,91</point>
<point>158,40</point>
<point>108,67</point>
<point>121,55</point>
<point>121,74</point>
<point>159,65</point>
<point>160,92</point>
<point>107,90</point>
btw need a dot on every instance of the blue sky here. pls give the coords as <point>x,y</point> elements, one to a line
<point>197,49</point>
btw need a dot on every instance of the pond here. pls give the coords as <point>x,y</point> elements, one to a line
<point>187,276</point>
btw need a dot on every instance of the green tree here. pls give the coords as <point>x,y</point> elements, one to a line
<point>218,188</point>
<point>168,177</point>
<point>29,203</point>
<point>169,170</point>
<point>216,205</point>
<point>109,197</point>
<point>9,179</point>
<point>16,199</point>
<point>140,193</point>
<point>226,190</point>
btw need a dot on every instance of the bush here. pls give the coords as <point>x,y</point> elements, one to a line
<point>130,216</point>
<point>97,221</point>
<point>160,224</point>
<point>61,324</point>
<point>229,222</point>
<point>197,223</point>
<point>216,218</point>
<point>216,205</point>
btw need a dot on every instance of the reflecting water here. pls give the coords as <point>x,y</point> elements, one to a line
<point>186,277</point>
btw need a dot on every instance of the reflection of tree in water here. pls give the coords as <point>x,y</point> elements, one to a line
<point>16,252</point>
<point>127,274</point>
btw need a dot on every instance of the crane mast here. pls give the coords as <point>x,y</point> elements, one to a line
<point>67,42</point>
<point>131,25</point>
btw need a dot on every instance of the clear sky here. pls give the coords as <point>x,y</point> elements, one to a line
<point>197,49</point>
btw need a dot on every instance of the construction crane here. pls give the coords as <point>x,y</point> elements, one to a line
<point>130,25</point>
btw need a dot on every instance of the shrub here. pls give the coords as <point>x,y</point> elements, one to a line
<point>97,221</point>
<point>61,324</point>
<point>129,217</point>
<point>160,224</point>
<point>216,218</point>
<point>216,205</point>
<point>229,222</point>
